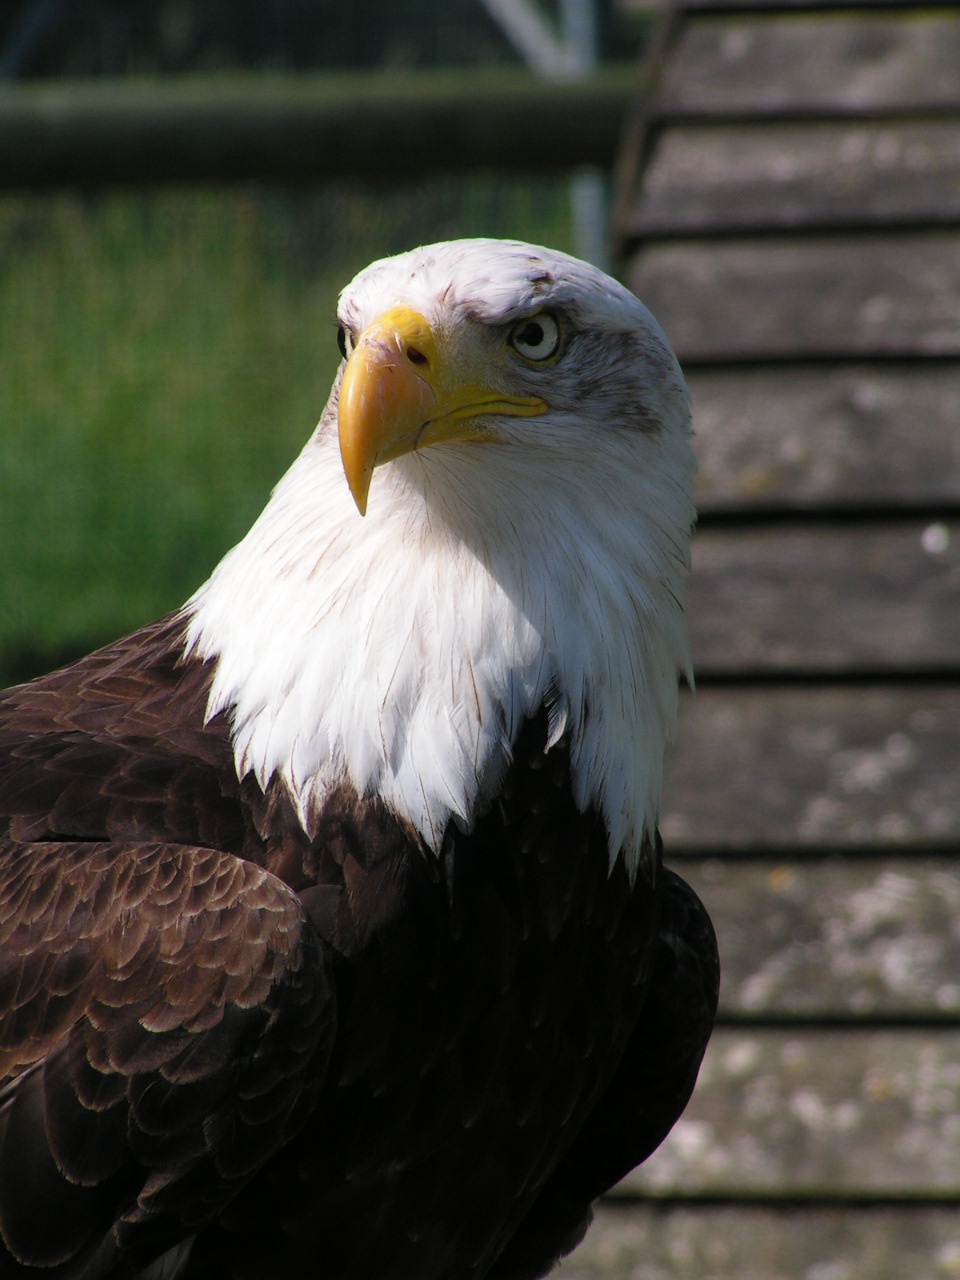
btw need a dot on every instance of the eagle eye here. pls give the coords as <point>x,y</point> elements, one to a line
<point>537,337</point>
<point>344,341</point>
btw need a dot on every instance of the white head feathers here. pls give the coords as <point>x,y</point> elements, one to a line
<point>542,565</point>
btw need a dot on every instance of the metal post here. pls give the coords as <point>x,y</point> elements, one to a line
<point>588,186</point>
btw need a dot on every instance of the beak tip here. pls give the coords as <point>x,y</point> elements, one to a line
<point>359,489</point>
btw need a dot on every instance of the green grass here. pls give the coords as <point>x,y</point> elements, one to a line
<point>162,360</point>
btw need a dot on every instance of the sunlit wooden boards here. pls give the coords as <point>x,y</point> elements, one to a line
<point>884,295</point>
<point>796,230</point>
<point>840,437</point>
<point>874,598</point>
<point>791,770</point>
<point>761,1242</point>
<point>818,1114</point>
<point>730,178</point>
<point>809,64</point>
<point>837,940</point>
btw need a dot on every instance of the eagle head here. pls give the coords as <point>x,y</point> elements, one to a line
<point>514,429</point>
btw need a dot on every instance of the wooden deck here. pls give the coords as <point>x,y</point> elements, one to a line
<point>793,220</point>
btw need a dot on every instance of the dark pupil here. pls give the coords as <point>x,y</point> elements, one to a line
<point>342,341</point>
<point>531,335</point>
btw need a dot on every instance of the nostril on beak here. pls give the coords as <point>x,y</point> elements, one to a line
<point>416,356</point>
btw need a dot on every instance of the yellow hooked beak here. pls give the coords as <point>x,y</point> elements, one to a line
<point>399,393</point>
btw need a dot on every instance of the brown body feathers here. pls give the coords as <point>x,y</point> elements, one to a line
<point>339,1054</point>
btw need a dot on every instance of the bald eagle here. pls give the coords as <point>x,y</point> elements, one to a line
<point>334,935</point>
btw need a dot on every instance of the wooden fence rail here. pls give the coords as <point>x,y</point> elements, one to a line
<point>301,129</point>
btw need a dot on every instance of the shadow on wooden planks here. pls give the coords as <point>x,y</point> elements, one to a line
<point>793,220</point>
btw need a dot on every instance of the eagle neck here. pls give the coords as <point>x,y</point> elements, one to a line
<point>403,653</point>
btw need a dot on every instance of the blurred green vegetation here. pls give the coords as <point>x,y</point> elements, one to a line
<point>163,358</point>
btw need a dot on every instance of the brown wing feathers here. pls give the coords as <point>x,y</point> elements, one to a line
<point>166,1009</point>
<point>170,941</point>
<point>166,1015</point>
<point>115,748</point>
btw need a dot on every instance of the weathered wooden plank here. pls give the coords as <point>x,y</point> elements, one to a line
<point>887,295</point>
<point>748,1242</point>
<point>876,598</point>
<point>833,938</point>
<point>834,63</point>
<point>761,177</point>
<point>827,435</point>
<point>809,767</point>
<point>814,1113</point>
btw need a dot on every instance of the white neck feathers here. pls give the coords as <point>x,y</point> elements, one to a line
<point>401,652</point>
